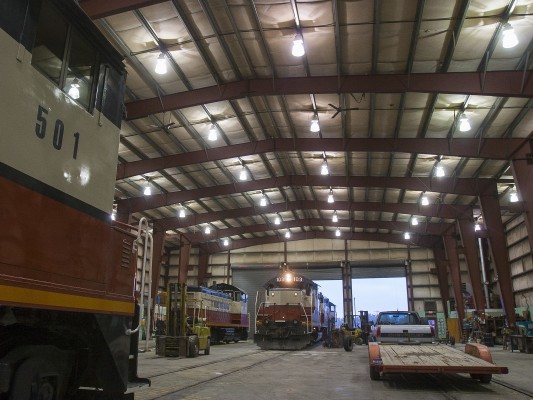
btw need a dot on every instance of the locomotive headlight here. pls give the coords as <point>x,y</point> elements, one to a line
<point>296,294</point>
<point>288,277</point>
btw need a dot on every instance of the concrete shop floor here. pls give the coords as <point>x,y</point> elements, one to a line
<point>243,371</point>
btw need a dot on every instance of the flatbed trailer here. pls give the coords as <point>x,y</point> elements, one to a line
<point>476,360</point>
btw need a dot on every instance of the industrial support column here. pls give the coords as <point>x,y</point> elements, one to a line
<point>347,293</point>
<point>466,228</point>
<point>450,245</point>
<point>158,243</point>
<point>203,258</point>
<point>185,251</point>
<point>522,167</point>
<point>442,274</point>
<point>490,208</point>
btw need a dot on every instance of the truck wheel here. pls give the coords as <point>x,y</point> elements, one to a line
<point>348,344</point>
<point>359,341</point>
<point>374,374</point>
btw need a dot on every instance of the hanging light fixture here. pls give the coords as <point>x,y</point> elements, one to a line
<point>225,242</point>
<point>330,196</point>
<point>288,235</point>
<point>335,217</point>
<point>147,190</point>
<point>181,212</point>
<point>407,236</point>
<point>161,65</point>
<point>243,175</point>
<point>277,220</point>
<point>114,215</point>
<point>509,37</point>
<point>324,169</point>
<point>213,135</point>
<point>439,171</point>
<point>514,197</point>
<point>298,46</point>
<point>207,230</point>
<point>337,232</point>
<point>74,90</point>
<point>315,126</point>
<point>477,227</point>
<point>424,201</point>
<point>263,201</point>
<point>414,221</point>
<point>464,124</point>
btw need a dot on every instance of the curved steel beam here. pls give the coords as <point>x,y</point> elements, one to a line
<point>446,211</point>
<point>105,8</point>
<point>427,241</point>
<point>490,148</point>
<point>421,229</point>
<point>461,186</point>
<point>491,83</point>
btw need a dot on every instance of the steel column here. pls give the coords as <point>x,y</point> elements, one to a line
<point>450,244</point>
<point>347,293</point>
<point>466,228</point>
<point>442,274</point>
<point>522,167</point>
<point>203,258</point>
<point>185,251</point>
<point>158,237</point>
<point>490,208</point>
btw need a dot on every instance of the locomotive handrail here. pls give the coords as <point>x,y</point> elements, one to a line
<point>147,239</point>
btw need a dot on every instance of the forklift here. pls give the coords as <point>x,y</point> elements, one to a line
<point>186,331</point>
<point>355,335</point>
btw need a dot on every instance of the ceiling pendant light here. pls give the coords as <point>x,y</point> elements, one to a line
<point>464,124</point>
<point>477,227</point>
<point>243,174</point>
<point>439,171</point>
<point>212,133</point>
<point>324,169</point>
<point>277,220</point>
<point>181,212</point>
<point>315,127</point>
<point>425,200</point>
<point>514,197</point>
<point>407,236</point>
<point>263,201</point>
<point>161,66</point>
<point>74,90</point>
<point>330,196</point>
<point>335,217</point>
<point>509,37</point>
<point>207,230</point>
<point>298,46</point>
<point>288,235</point>
<point>337,232</point>
<point>414,221</point>
<point>225,242</point>
<point>147,190</point>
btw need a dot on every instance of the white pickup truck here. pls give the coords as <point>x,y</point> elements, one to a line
<point>403,327</point>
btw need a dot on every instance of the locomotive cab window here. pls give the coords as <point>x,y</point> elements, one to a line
<point>63,54</point>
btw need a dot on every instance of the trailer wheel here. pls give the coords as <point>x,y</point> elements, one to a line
<point>374,374</point>
<point>483,378</point>
<point>348,344</point>
<point>359,341</point>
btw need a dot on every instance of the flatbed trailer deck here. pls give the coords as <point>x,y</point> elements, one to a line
<point>476,360</point>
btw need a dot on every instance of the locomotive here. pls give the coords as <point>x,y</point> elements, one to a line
<point>293,314</point>
<point>69,320</point>
<point>224,306</point>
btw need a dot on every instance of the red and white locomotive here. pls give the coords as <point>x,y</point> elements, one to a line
<point>293,314</point>
<point>68,318</point>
